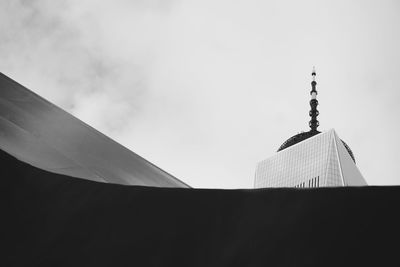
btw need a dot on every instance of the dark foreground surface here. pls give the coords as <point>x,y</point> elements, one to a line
<point>55,220</point>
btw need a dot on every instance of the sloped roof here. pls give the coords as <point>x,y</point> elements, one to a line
<point>37,132</point>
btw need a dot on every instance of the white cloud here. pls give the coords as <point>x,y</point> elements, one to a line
<point>206,89</point>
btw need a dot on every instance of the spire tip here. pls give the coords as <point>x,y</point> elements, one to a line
<point>314,123</point>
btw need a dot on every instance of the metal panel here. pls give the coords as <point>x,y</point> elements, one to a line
<point>45,136</point>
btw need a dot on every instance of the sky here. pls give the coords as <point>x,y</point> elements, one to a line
<point>207,89</point>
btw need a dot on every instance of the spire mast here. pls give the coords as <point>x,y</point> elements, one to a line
<point>314,123</point>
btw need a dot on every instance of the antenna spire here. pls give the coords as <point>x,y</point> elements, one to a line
<point>314,123</point>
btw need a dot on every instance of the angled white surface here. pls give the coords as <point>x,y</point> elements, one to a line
<point>333,175</point>
<point>45,136</point>
<point>351,175</point>
<point>319,161</point>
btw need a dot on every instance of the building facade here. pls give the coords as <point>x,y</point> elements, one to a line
<point>319,161</point>
<point>310,159</point>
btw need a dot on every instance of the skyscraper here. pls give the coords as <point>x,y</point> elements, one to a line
<point>310,159</point>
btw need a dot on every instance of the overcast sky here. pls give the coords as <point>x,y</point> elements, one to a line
<point>206,89</point>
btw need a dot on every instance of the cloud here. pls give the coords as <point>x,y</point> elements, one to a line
<point>206,89</point>
<point>41,40</point>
